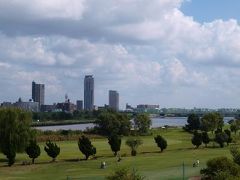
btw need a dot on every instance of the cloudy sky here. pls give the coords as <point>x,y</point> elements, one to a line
<point>176,53</point>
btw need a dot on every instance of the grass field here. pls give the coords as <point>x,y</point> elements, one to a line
<point>149,161</point>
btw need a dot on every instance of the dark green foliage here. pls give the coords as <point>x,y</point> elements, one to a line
<point>33,150</point>
<point>193,122</point>
<point>142,123</point>
<point>197,139</point>
<point>228,133</point>
<point>161,142</point>
<point>205,138</point>
<point>133,143</point>
<point>86,147</point>
<point>221,138</point>
<point>52,150</point>
<point>220,167</point>
<point>235,125</point>
<point>15,132</point>
<point>125,174</point>
<point>115,142</point>
<point>111,123</point>
<point>235,154</point>
<point>10,153</point>
<point>211,122</point>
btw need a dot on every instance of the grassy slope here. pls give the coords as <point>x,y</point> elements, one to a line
<point>149,162</point>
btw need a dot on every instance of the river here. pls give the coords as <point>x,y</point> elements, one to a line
<point>156,122</point>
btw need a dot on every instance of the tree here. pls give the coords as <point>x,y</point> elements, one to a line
<point>86,147</point>
<point>111,123</point>
<point>161,142</point>
<point>221,138</point>
<point>15,132</point>
<point>33,150</point>
<point>52,150</point>
<point>115,143</point>
<point>125,174</point>
<point>133,143</point>
<point>211,121</point>
<point>235,126</point>
<point>229,138</point>
<point>142,122</point>
<point>205,138</point>
<point>193,122</point>
<point>235,154</point>
<point>221,165</point>
<point>197,139</point>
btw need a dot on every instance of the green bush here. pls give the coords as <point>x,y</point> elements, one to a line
<point>86,147</point>
<point>52,150</point>
<point>161,142</point>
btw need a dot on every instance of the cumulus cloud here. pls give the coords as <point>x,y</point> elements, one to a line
<point>150,52</point>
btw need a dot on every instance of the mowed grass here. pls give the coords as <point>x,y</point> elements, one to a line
<point>149,162</point>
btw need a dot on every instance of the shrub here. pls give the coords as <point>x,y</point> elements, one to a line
<point>220,167</point>
<point>86,147</point>
<point>235,154</point>
<point>52,150</point>
<point>33,150</point>
<point>205,138</point>
<point>221,138</point>
<point>125,174</point>
<point>133,143</point>
<point>115,143</point>
<point>161,142</point>
<point>197,139</point>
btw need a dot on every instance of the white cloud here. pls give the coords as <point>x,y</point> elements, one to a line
<point>145,50</point>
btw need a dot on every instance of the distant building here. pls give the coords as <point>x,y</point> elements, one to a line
<point>101,108</point>
<point>114,100</point>
<point>28,106</point>
<point>89,93</point>
<point>48,108</point>
<point>6,104</point>
<point>147,108</point>
<point>79,105</point>
<point>38,93</point>
<point>66,106</point>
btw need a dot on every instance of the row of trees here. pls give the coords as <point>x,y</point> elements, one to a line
<point>209,122</point>
<point>111,123</point>
<point>86,147</point>
<point>221,137</point>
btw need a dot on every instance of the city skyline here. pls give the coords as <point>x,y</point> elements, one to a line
<point>173,54</point>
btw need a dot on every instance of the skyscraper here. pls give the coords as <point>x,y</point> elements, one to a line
<point>38,93</point>
<point>114,100</point>
<point>89,92</point>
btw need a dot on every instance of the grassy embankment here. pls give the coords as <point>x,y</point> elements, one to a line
<point>149,161</point>
<point>64,122</point>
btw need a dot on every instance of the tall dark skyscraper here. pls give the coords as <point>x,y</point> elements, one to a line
<point>114,100</point>
<point>89,92</point>
<point>38,93</point>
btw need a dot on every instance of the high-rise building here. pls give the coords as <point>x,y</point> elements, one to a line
<point>114,100</point>
<point>89,92</point>
<point>79,105</point>
<point>38,93</point>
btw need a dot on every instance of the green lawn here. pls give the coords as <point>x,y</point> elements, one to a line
<point>149,161</point>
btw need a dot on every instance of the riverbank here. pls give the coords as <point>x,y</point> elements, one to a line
<point>59,123</point>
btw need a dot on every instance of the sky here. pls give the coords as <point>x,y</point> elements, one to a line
<point>175,53</point>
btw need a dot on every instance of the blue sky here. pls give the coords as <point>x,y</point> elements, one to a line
<point>210,10</point>
<point>174,53</point>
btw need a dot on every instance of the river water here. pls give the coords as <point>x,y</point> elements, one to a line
<point>156,122</point>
